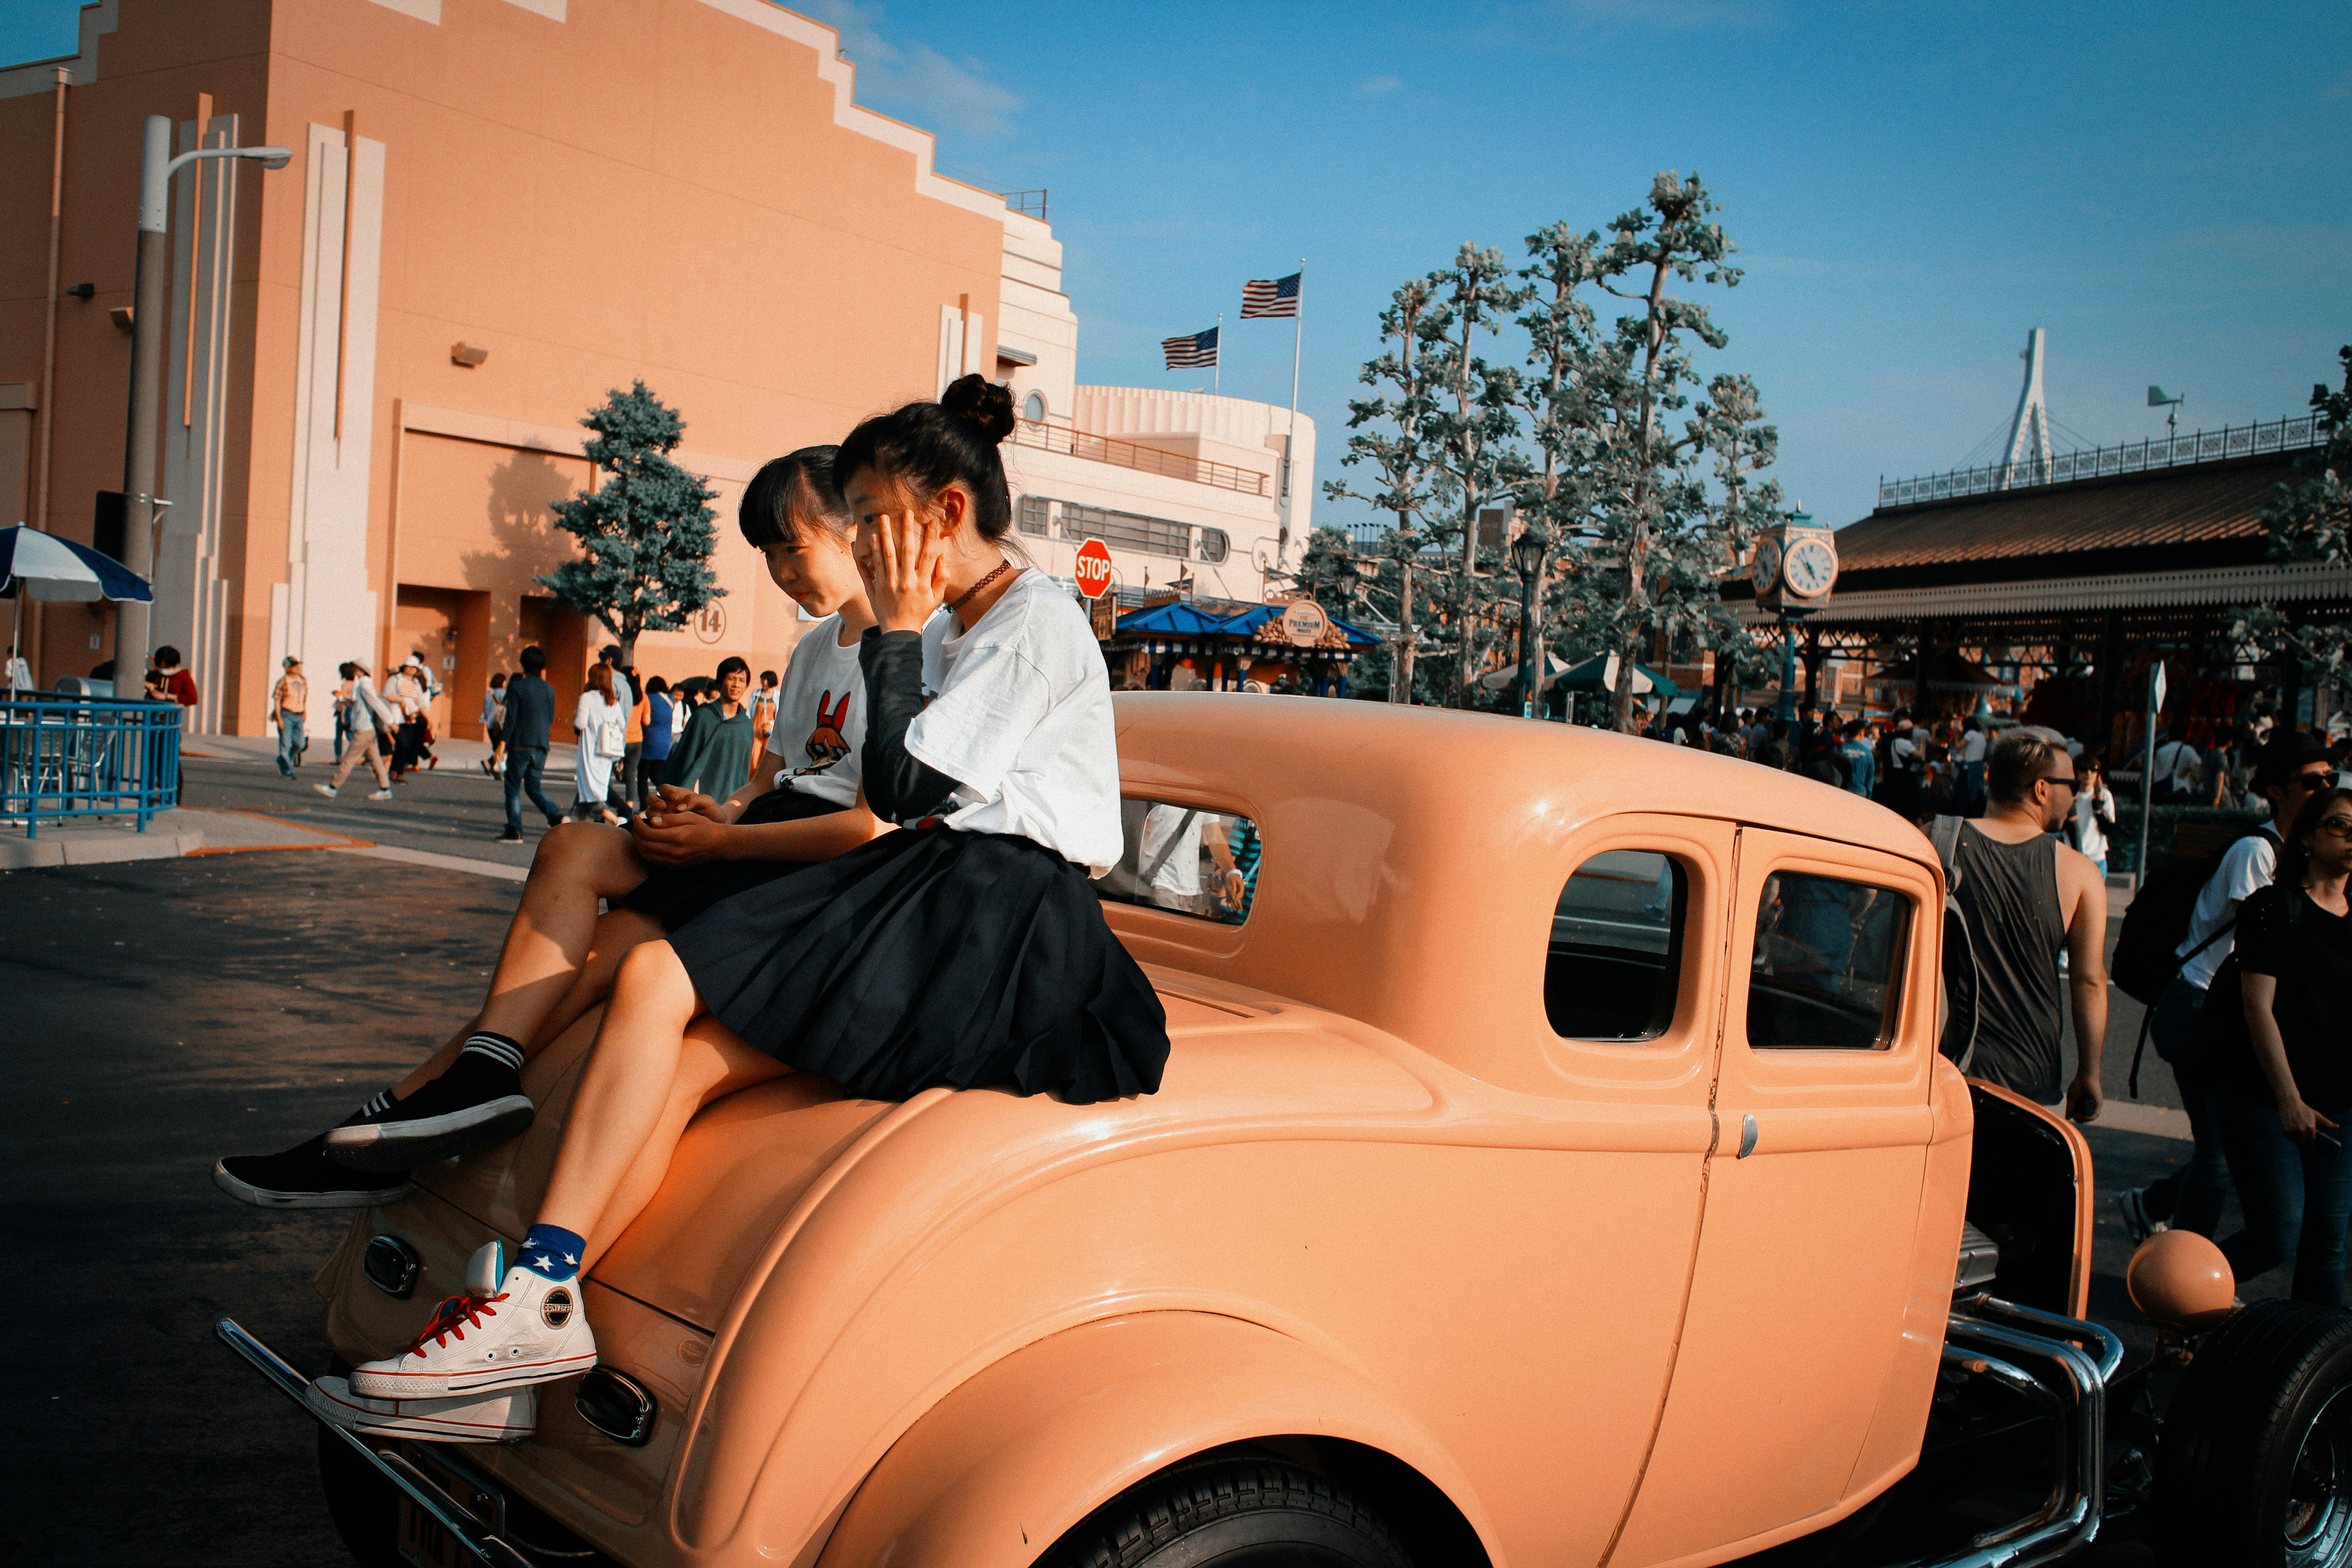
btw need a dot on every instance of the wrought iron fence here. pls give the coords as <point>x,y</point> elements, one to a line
<point>1145,459</point>
<point>78,756</point>
<point>2099,462</point>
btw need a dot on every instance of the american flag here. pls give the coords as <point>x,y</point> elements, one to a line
<point>1271,296</point>
<point>1192,349</point>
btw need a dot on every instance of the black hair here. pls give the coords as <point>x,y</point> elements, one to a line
<point>2294,856</point>
<point>167,657</point>
<point>804,485</point>
<point>732,661</point>
<point>928,446</point>
<point>656,687</point>
<point>499,679</point>
<point>766,677</point>
<point>534,659</point>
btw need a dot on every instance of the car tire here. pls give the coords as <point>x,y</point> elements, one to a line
<point>2254,1464</point>
<point>1233,1513</point>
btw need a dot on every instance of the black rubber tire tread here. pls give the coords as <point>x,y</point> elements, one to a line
<point>2226,1427</point>
<point>1149,1525</point>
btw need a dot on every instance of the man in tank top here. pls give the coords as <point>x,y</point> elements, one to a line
<point>2027,896</point>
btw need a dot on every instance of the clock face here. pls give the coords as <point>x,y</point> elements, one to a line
<point>1765,569</point>
<point>1810,568</point>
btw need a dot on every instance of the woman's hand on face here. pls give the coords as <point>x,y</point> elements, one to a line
<point>903,559</point>
<point>683,838</point>
<point>2300,1122</point>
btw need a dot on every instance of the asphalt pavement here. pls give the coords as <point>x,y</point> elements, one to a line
<point>160,1014</point>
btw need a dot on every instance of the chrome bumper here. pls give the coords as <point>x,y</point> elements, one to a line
<point>2073,1361</point>
<point>420,1490</point>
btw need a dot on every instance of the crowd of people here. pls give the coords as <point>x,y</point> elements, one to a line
<point>897,896</point>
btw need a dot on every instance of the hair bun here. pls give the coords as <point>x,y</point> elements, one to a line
<point>976,398</point>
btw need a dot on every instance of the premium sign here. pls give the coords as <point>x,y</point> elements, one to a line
<point>1304,623</point>
<point>1093,569</point>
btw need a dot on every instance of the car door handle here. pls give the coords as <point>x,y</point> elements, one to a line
<point>1747,1135</point>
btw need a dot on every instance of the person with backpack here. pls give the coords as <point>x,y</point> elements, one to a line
<point>2022,898</point>
<point>2281,1058</point>
<point>2175,937</point>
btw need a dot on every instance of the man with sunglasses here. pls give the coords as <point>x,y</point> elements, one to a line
<point>2026,898</point>
<point>2290,769</point>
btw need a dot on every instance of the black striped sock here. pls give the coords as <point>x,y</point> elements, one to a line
<point>507,1053</point>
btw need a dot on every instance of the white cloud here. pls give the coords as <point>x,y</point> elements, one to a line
<point>1380,86</point>
<point>914,81</point>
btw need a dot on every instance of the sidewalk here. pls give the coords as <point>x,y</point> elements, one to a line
<point>459,759</point>
<point>87,841</point>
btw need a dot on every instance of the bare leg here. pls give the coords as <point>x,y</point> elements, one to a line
<point>624,1113</point>
<point>617,933</point>
<point>547,939</point>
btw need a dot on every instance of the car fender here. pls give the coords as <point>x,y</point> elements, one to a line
<point>996,1472</point>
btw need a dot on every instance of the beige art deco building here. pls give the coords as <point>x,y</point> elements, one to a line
<point>496,210</point>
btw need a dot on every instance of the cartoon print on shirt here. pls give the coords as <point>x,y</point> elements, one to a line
<point>826,745</point>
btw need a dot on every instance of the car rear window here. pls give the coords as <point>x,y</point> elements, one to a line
<point>1616,960</point>
<point>1186,859</point>
<point>1828,964</point>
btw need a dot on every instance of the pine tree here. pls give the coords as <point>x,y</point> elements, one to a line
<point>644,531</point>
<point>1403,457</point>
<point>1476,427</point>
<point>2309,518</point>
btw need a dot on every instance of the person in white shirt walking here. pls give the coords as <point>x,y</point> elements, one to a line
<point>373,724</point>
<point>288,706</point>
<point>2095,811</point>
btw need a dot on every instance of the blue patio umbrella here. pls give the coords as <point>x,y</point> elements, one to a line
<point>42,567</point>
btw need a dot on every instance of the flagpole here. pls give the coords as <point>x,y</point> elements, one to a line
<point>1290,437</point>
<point>1217,365</point>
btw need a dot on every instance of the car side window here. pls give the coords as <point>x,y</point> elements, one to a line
<point>1828,964</point>
<point>1616,960</point>
<point>1184,860</point>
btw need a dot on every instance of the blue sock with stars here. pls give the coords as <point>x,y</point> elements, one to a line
<point>551,1252</point>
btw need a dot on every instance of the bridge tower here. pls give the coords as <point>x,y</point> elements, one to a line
<point>2027,461</point>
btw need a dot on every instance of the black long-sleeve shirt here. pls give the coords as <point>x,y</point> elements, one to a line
<point>899,786</point>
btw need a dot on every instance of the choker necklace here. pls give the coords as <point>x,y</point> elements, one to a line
<point>965,598</point>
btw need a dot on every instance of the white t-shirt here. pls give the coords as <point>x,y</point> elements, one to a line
<point>2180,763</point>
<point>1020,713</point>
<point>1169,850</point>
<point>820,717</point>
<point>1972,746</point>
<point>2246,866</point>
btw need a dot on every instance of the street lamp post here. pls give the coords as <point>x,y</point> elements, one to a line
<point>156,167</point>
<point>1790,615</point>
<point>1528,561</point>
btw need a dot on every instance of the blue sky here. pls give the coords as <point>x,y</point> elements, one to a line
<point>2162,186</point>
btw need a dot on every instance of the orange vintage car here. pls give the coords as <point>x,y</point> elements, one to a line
<point>1555,1166</point>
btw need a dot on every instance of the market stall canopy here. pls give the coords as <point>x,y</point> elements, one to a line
<point>1177,619</point>
<point>1499,679</point>
<point>46,567</point>
<point>1599,674</point>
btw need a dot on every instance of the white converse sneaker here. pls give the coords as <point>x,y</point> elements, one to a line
<point>508,1416</point>
<point>530,1329</point>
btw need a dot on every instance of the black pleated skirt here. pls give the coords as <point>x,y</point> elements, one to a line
<point>675,895</point>
<point>932,957</point>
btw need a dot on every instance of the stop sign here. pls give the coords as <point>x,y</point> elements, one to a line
<point>1093,570</point>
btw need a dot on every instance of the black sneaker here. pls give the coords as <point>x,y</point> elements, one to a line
<point>511,836</point>
<point>304,1178</point>
<point>478,1103</point>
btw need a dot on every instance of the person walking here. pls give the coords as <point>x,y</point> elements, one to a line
<point>2180,768</point>
<point>625,792</point>
<point>346,720</point>
<point>601,723</point>
<point>1969,799</point>
<point>2282,1058</point>
<point>763,711</point>
<point>1861,759</point>
<point>2291,769</point>
<point>405,694</point>
<point>373,721</point>
<point>494,716</point>
<point>653,724</point>
<point>530,715</point>
<point>2024,897</point>
<point>289,703</point>
<point>2095,811</point>
<point>1906,767</point>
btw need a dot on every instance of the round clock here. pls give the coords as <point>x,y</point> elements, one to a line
<point>1809,569</point>
<point>1764,569</point>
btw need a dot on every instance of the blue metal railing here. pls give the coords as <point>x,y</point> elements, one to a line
<point>79,756</point>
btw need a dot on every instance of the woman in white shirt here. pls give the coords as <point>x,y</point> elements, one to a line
<point>603,726</point>
<point>967,948</point>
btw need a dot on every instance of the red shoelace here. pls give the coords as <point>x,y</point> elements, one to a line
<point>454,1316</point>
